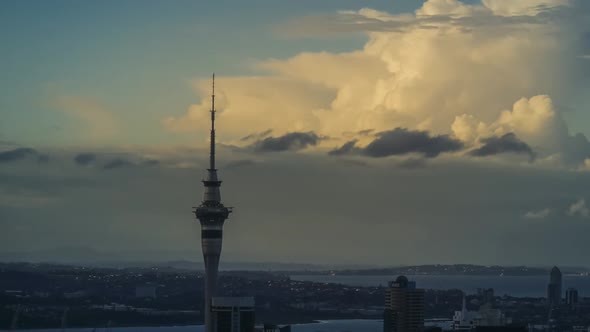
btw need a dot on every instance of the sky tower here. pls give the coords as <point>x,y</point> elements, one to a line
<point>211,214</point>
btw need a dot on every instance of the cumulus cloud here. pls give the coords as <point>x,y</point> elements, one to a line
<point>579,209</point>
<point>540,214</point>
<point>468,71</point>
<point>85,159</point>
<point>534,122</point>
<point>507,143</point>
<point>288,142</point>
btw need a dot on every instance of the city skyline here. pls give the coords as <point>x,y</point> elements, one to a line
<point>388,133</point>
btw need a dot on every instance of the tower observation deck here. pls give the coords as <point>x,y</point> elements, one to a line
<point>211,214</point>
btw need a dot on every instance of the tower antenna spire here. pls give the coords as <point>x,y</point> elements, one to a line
<point>212,153</point>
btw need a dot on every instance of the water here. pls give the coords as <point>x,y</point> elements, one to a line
<point>356,325</point>
<point>524,286</point>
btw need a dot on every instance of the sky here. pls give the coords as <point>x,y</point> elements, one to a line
<point>378,132</point>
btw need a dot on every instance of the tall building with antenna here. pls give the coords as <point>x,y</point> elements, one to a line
<point>211,214</point>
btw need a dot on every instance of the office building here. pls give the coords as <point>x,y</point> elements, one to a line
<point>571,298</point>
<point>554,288</point>
<point>404,307</point>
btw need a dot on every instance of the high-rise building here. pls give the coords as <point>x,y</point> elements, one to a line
<point>211,214</point>
<point>571,298</point>
<point>232,314</point>
<point>404,307</point>
<point>554,288</point>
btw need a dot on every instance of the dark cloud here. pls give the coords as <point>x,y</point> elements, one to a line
<point>508,143</point>
<point>288,142</point>
<point>402,141</point>
<point>85,159</point>
<point>345,149</point>
<point>43,158</point>
<point>576,149</point>
<point>256,136</point>
<point>117,163</point>
<point>17,154</point>
<point>123,163</point>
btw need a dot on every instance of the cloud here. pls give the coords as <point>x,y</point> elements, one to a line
<point>347,148</point>
<point>433,15</point>
<point>253,104</point>
<point>579,208</point>
<point>43,158</point>
<point>134,212</point>
<point>402,141</point>
<point>468,71</point>
<point>256,136</point>
<point>117,163</point>
<point>507,143</point>
<point>288,142</point>
<point>535,122</point>
<point>540,214</point>
<point>522,7</point>
<point>84,159</point>
<point>17,154</point>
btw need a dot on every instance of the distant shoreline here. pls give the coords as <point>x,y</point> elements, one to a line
<point>429,274</point>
